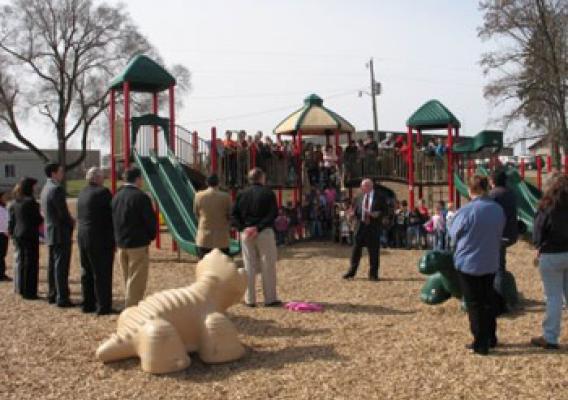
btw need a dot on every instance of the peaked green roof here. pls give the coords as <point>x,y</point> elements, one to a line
<point>432,115</point>
<point>144,75</point>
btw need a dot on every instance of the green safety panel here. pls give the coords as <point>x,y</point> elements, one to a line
<point>432,115</point>
<point>433,292</point>
<point>144,75</point>
<point>484,139</point>
<point>174,193</point>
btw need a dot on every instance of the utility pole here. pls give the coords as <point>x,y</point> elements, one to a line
<point>374,93</point>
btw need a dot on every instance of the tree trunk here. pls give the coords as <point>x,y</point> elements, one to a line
<point>62,157</point>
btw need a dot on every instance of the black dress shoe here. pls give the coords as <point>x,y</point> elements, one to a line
<point>276,303</point>
<point>31,297</point>
<point>481,351</point>
<point>88,310</point>
<point>492,344</point>
<point>5,278</point>
<point>51,300</point>
<point>65,304</point>
<point>348,276</point>
<point>374,278</point>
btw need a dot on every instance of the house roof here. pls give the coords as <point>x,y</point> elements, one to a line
<point>7,146</point>
<point>432,115</point>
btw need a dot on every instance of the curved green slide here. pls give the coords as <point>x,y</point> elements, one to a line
<point>174,193</point>
<point>527,195</point>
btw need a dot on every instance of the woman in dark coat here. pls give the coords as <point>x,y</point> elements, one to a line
<point>25,220</point>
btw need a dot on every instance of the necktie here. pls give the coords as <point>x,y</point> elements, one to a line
<point>367,218</point>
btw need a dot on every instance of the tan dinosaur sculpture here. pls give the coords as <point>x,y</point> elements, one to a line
<point>164,327</point>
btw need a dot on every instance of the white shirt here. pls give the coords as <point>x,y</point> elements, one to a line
<point>364,210</point>
<point>4,220</point>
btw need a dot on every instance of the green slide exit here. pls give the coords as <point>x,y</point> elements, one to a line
<point>174,193</point>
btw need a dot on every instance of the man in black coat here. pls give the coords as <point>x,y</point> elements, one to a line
<point>58,234</point>
<point>135,227</point>
<point>508,202</point>
<point>370,206</point>
<point>96,243</point>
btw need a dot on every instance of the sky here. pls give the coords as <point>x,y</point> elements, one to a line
<point>254,61</point>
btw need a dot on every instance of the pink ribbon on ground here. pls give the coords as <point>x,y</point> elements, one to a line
<point>300,306</point>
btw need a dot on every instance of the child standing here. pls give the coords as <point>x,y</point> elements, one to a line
<point>438,225</point>
<point>450,215</point>
<point>281,227</point>
<point>4,216</point>
<point>401,224</point>
<point>414,231</point>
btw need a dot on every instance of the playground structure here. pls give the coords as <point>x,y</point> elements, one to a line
<point>175,162</point>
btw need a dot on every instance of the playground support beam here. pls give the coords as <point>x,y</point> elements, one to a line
<point>171,92</point>
<point>299,174</point>
<point>213,150</point>
<point>548,164</point>
<point>522,169</point>
<point>155,146</point>
<point>420,186</point>
<point>126,130</point>
<point>459,166</point>
<point>279,197</point>
<point>171,96</point>
<point>195,145</point>
<point>470,168</point>
<point>410,161</point>
<point>539,172</point>
<point>112,117</point>
<point>451,189</point>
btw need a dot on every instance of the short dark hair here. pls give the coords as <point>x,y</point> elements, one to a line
<point>404,203</point>
<point>27,186</point>
<point>51,168</point>
<point>212,180</point>
<point>499,177</point>
<point>255,175</point>
<point>131,174</point>
<point>478,184</point>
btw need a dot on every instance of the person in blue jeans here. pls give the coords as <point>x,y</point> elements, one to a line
<point>550,236</point>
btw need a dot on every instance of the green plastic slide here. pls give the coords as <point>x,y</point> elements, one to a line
<point>527,195</point>
<point>174,193</point>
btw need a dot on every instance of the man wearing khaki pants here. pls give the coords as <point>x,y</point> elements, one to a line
<point>134,229</point>
<point>253,215</point>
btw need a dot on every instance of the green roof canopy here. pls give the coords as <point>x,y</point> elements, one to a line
<point>313,119</point>
<point>432,115</point>
<point>144,75</point>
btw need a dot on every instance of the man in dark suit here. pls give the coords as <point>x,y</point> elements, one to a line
<point>370,206</point>
<point>96,243</point>
<point>58,232</point>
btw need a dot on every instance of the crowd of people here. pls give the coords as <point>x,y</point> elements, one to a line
<point>477,234</point>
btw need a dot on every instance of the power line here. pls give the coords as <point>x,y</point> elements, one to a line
<point>263,112</point>
<point>252,95</point>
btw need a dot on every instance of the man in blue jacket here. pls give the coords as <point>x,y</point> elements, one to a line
<point>476,231</point>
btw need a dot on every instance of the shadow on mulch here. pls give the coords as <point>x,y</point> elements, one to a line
<point>269,328</point>
<point>198,371</point>
<point>526,349</point>
<point>364,309</point>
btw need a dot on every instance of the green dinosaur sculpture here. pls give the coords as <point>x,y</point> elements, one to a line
<point>443,281</point>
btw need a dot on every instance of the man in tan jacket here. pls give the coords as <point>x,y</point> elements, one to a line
<point>212,208</point>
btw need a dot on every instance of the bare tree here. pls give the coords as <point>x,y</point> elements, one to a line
<point>531,65</point>
<point>57,58</point>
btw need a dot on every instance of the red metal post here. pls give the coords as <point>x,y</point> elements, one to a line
<point>195,145</point>
<point>252,150</point>
<point>459,166</point>
<point>155,111</point>
<point>451,189</point>
<point>539,172</point>
<point>522,169</point>
<point>279,197</point>
<point>548,164</point>
<point>337,133</point>
<point>470,168</point>
<point>213,150</point>
<point>171,92</point>
<point>300,151</point>
<point>158,236</point>
<point>410,161</point>
<point>126,132</point>
<point>112,141</point>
